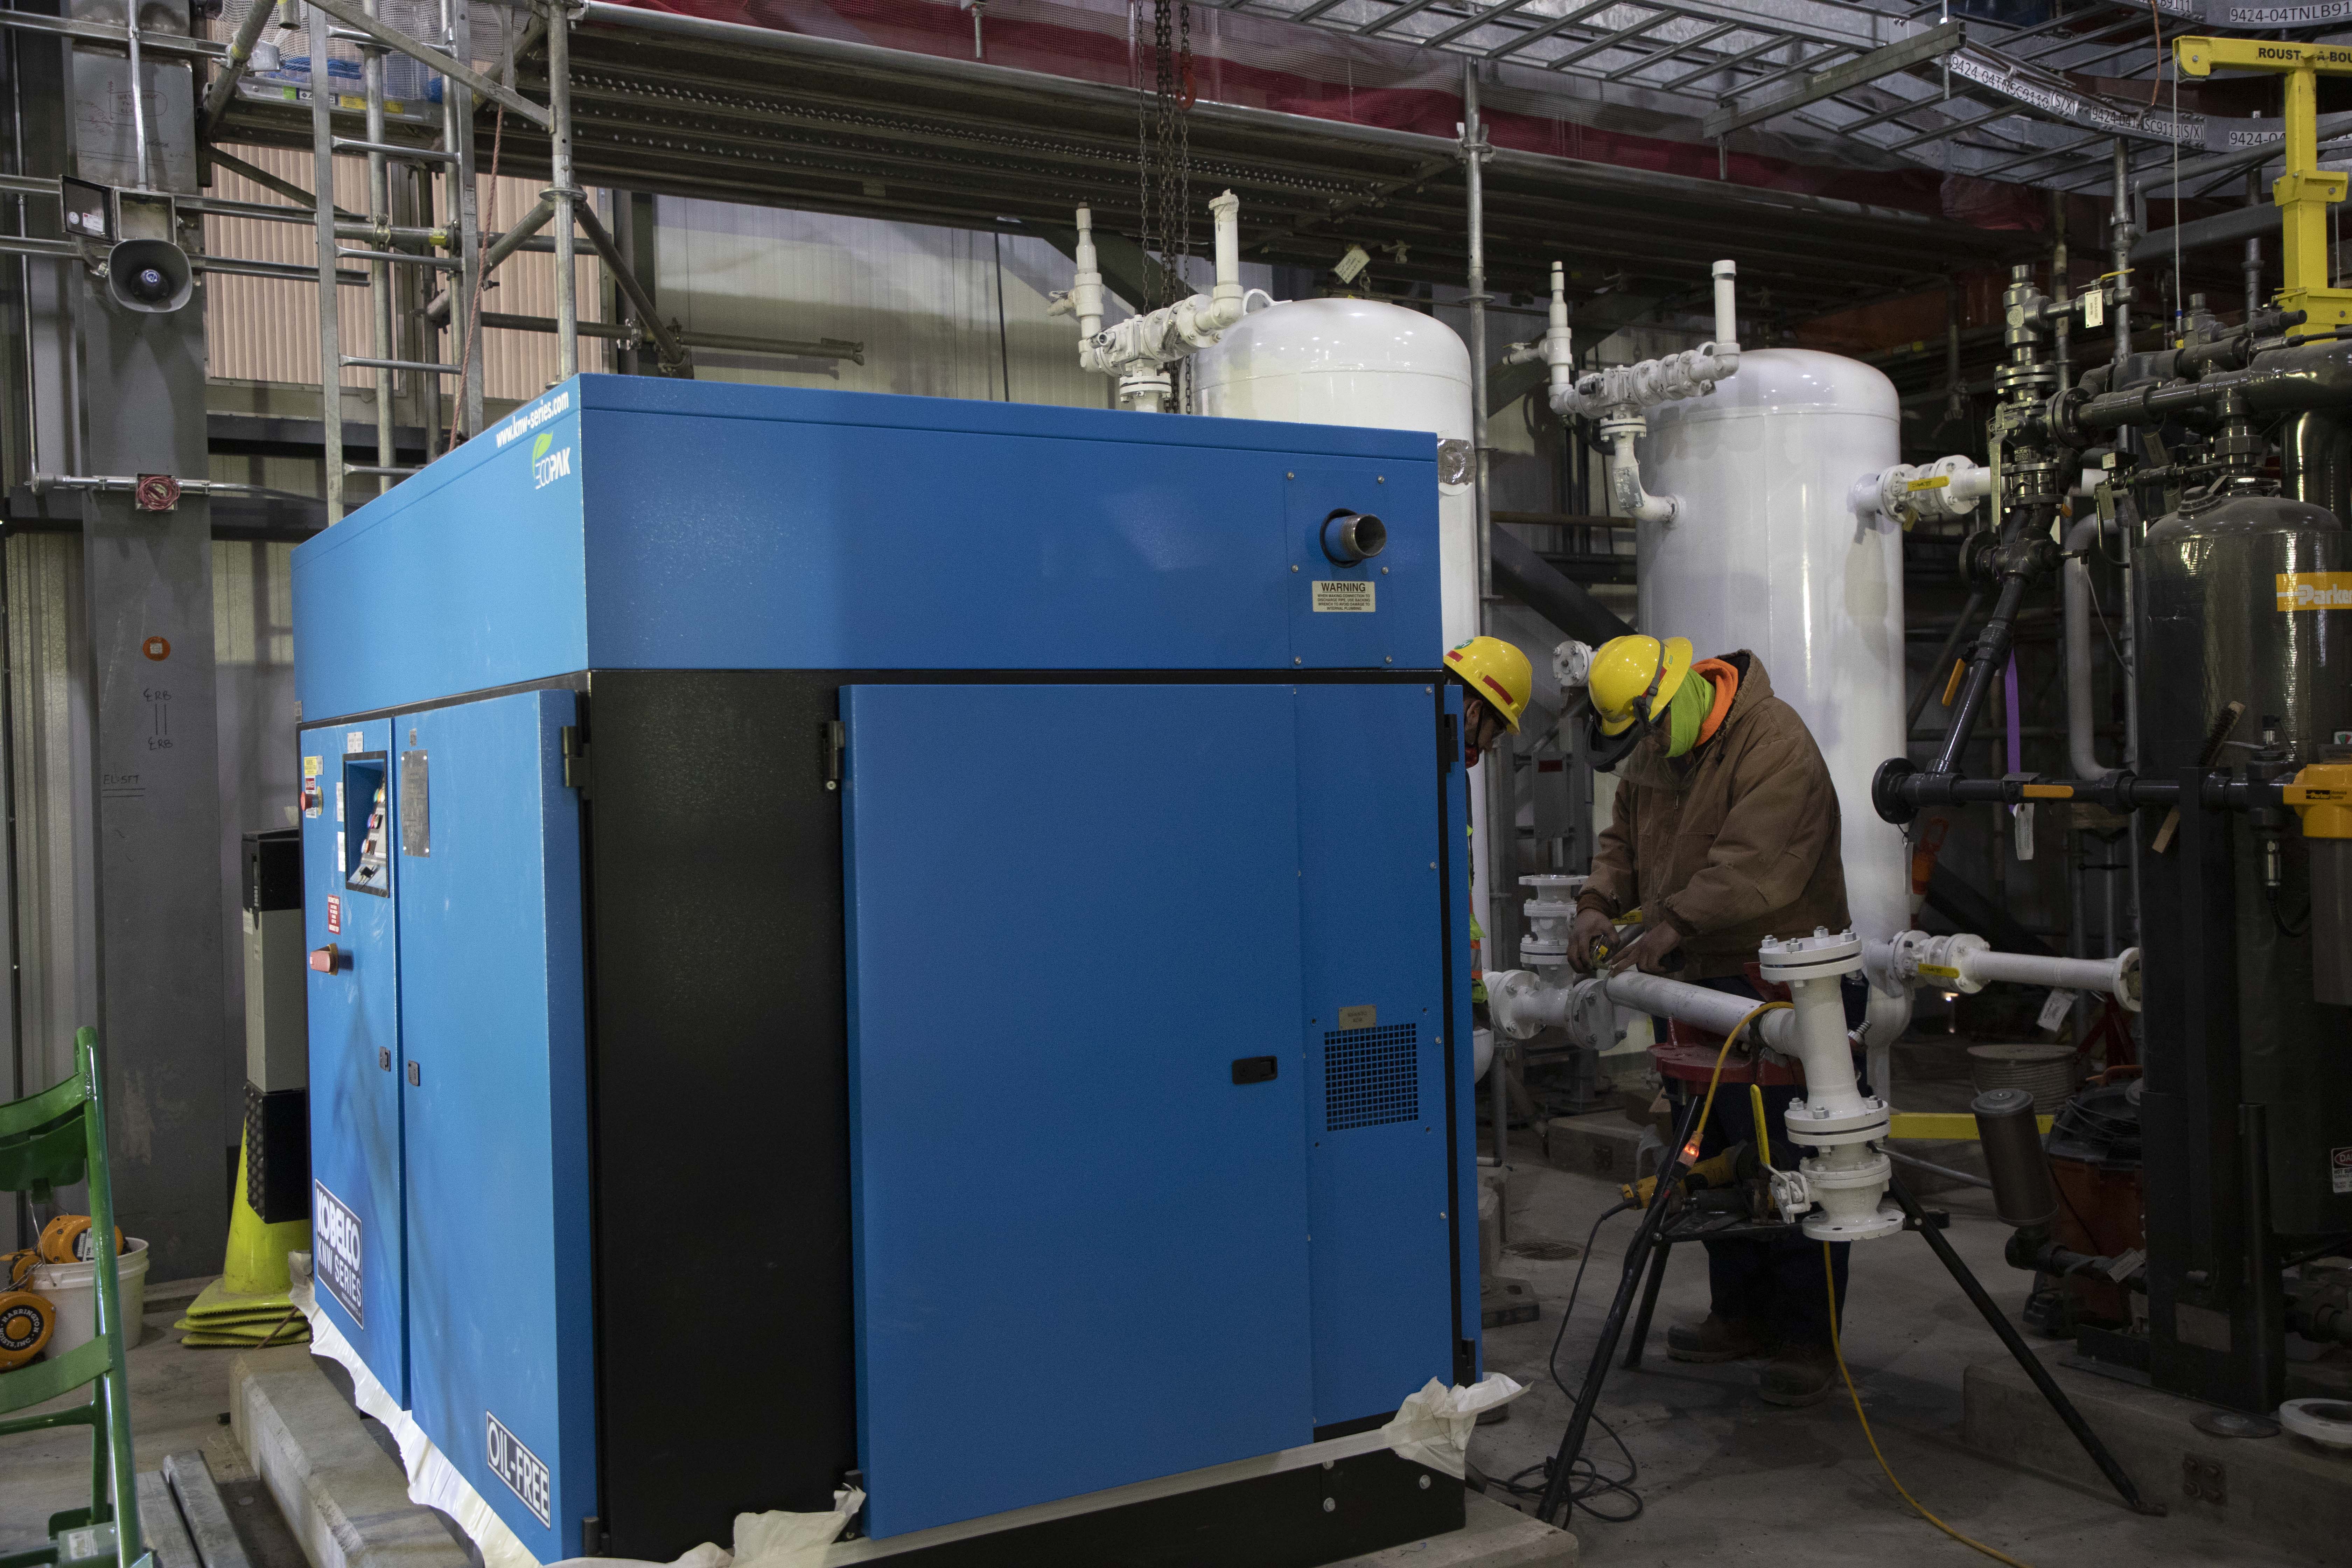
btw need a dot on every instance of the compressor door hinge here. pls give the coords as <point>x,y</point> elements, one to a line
<point>834,738</point>
<point>576,761</point>
<point>1449,743</point>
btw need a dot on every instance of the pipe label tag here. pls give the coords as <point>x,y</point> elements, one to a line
<point>1356,597</point>
<point>2314,590</point>
<point>2055,1010</point>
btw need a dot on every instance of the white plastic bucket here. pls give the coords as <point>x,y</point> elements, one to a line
<point>72,1287</point>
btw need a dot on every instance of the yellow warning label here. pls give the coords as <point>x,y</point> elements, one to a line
<point>1941,972</point>
<point>2314,590</point>
<point>1939,482</point>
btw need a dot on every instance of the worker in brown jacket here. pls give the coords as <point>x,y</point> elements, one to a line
<point>1723,831</point>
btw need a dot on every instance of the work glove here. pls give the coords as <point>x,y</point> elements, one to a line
<point>1652,952</point>
<point>1591,927</point>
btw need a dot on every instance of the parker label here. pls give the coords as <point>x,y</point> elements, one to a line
<point>1347,595</point>
<point>2314,590</point>
<point>524,1472</point>
<point>339,1257</point>
<point>2339,1170</point>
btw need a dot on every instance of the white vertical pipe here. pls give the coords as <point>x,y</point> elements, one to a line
<point>137,91</point>
<point>1726,305</point>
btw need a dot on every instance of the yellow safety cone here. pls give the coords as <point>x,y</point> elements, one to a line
<point>248,1305</point>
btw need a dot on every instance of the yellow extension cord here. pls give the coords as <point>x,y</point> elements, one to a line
<point>1688,1153</point>
<point>1829,1272</point>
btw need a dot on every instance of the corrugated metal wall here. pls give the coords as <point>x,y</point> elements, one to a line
<point>267,329</point>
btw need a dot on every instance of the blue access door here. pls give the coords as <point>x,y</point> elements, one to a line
<point>349,818</point>
<point>1373,763</point>
<point>493,1006</point>
<point>1078,1168</point>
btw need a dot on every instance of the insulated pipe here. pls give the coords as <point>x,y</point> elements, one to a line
<point>1625,474</point>
<point>1523,1003</point>
<point>1087,295</point>
<point>1558,342</point>
<point>1726,313</point>
<point>1965,962</point>
<point>2081,745</point>
<point>1225,211</point>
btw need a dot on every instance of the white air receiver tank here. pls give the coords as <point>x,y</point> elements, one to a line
<point>1766,552</point>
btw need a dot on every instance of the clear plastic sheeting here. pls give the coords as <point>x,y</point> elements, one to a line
<point>1432,1428</point>
<point>761,1540</point>
<point>433,1480</point>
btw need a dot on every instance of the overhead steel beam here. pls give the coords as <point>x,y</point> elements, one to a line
<point>1496,13</point>
<point>1932,44</point>
<point>1671,48</point>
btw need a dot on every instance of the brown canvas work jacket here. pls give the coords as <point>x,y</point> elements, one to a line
<point>1734,842</point>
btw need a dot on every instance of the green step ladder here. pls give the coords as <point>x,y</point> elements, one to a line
<point>52,1140</point>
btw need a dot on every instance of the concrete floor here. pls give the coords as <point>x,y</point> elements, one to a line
<point>179,1403</point>
<point>1725,1478</point>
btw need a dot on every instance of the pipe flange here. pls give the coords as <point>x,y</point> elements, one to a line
<point>1813,957</point>
<point>2327,1422</point>
<point>1829,1132</point>
<point>1819,1227</point>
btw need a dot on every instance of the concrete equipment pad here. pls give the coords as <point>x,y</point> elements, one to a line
<point>1600,1144</point>
<point>2282,1491</point>
<point>345,1499</point>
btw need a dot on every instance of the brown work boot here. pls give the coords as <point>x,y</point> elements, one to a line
<point>1716,1338</point>
<point>1798,1375</point>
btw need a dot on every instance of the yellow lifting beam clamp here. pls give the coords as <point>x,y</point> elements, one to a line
<point>2305,191</point>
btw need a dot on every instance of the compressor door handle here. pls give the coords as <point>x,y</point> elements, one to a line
<point>327,959</point>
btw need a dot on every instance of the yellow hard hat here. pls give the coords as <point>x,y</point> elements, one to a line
<point>1629,670</point>
<point>1499,674</point>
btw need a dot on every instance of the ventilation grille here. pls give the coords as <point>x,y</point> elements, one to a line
<point>1371,1077</point>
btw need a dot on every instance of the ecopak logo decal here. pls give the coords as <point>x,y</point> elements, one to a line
<point>337,1257</point>
<point>524,1472</point>
<point>547,467</point>
<point>2314,590</point>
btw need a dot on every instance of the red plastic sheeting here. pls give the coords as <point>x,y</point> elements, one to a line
<point>1264,63</point>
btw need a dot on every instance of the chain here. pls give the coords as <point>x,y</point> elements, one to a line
<point>1163,141</point>
<point>1182,113</point>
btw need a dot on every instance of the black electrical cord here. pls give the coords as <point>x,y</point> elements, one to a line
<point>2280,920</point>
<point>1592,1481</point>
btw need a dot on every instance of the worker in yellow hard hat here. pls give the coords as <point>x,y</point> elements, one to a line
<point>1724,831</point>
<point>1496,680</point>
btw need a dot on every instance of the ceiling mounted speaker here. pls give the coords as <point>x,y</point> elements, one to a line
<point>150,275</point>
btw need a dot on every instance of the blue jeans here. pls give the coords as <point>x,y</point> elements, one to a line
<point>1774,1285</point>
